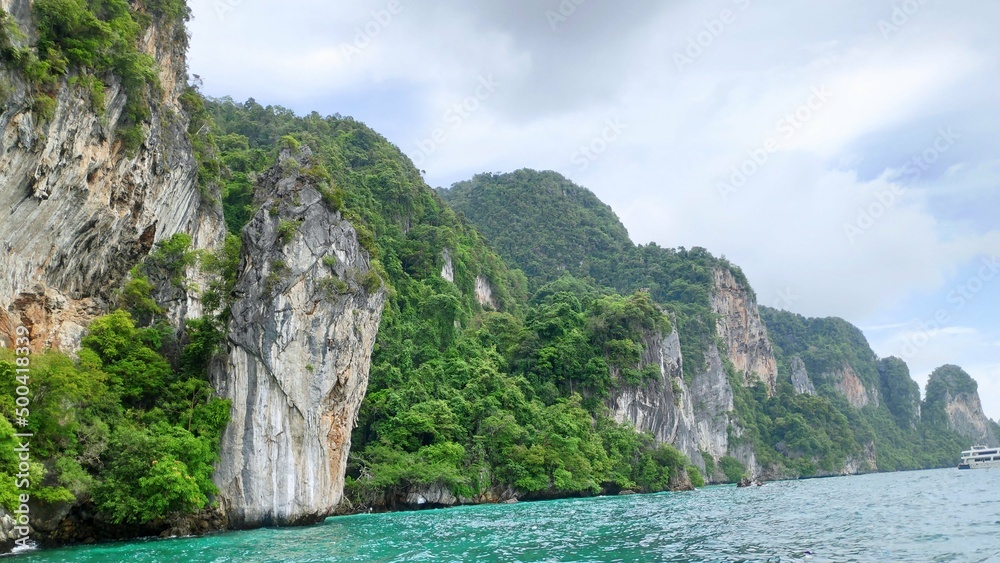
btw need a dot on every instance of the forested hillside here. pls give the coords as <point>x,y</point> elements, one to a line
<point>836,404</point>
<point>548,227</point>
<point>477,389</point>
<point>525,347</point>
<point>888,413</point>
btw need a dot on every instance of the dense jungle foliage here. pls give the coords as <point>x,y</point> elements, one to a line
<point>545,224</point>
<point>474,396</point>
<point>479,392</point>
<point>131,424</point>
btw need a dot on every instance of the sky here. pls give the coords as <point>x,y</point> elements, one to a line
<point>843,154</point>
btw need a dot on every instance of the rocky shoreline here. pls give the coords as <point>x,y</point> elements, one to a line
<point>81,525</point>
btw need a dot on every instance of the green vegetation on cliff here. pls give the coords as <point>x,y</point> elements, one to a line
<point>120,425</point>
<point>903,435</point>
<point>583,237</point>
<point>472,387</point>
<point>548,226</point>
<point>545,225</point>
<point>496,354</point>
<point>86,42</point>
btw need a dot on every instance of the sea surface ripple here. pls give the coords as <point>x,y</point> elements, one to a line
<point>939,515</point>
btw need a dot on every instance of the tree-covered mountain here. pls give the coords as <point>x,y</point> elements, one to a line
<point>877,396</point>
<point>548,227</point>
<point>835,405</point>
<point>475,390</point>
<point>234,277</point>
<point>584,237</point>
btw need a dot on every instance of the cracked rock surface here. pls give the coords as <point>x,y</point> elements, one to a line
<point>299,345</point>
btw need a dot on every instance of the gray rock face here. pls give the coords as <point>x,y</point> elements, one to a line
<point>695,417</point>
<point>848,384</point>
<point>663,407</point>
<point>742,331</point>
<point>79,212</point>
<point>865,462</point>
<point>7,532</point>
<point>431,495</point>
<point>800,377</point>
<point>448,268</point>
<point>299,346</point>
<point>484,293</point>
<point>966,417</point>
<point>712,396</point>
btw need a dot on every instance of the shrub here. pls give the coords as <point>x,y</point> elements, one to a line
<point>287,229</point>
<point>331,286</point>
<point>733,469</point>
<point>333,196</point>
<point>170,259</point>
<point>696,479</point>
<point>289,142</point>
<point>154,472</point>
<point>44,107</point>
<point>371,281</point>
<point>366,238</point>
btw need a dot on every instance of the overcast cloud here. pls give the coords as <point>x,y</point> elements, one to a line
<point>842,153</point>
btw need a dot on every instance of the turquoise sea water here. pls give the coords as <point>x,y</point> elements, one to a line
<point>940,515</point>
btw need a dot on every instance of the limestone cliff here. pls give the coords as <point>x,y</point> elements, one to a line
<point>847,383</point>
<point>299,344</point>
<point>741,329</point>
<point>696,417</point>
<point>953,399</point>
<point>800,377</point>
<point>80,211</point>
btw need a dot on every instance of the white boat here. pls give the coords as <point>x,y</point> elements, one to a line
<point>980,457</point>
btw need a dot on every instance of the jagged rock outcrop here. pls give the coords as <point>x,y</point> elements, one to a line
<point>741,329</point>
<point>847,383</point>
<point>299,345</point>
<point>448,267</point>
<point>431,495</point>
<point>864,462</point>
<point>695,417</point>
<point>800,377</point>
<point>663,407</point>
<point>966,417</point>
<point>953,399</point>
<point>484,293</point>
<point>8,534</point>
<point>80,211</point>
